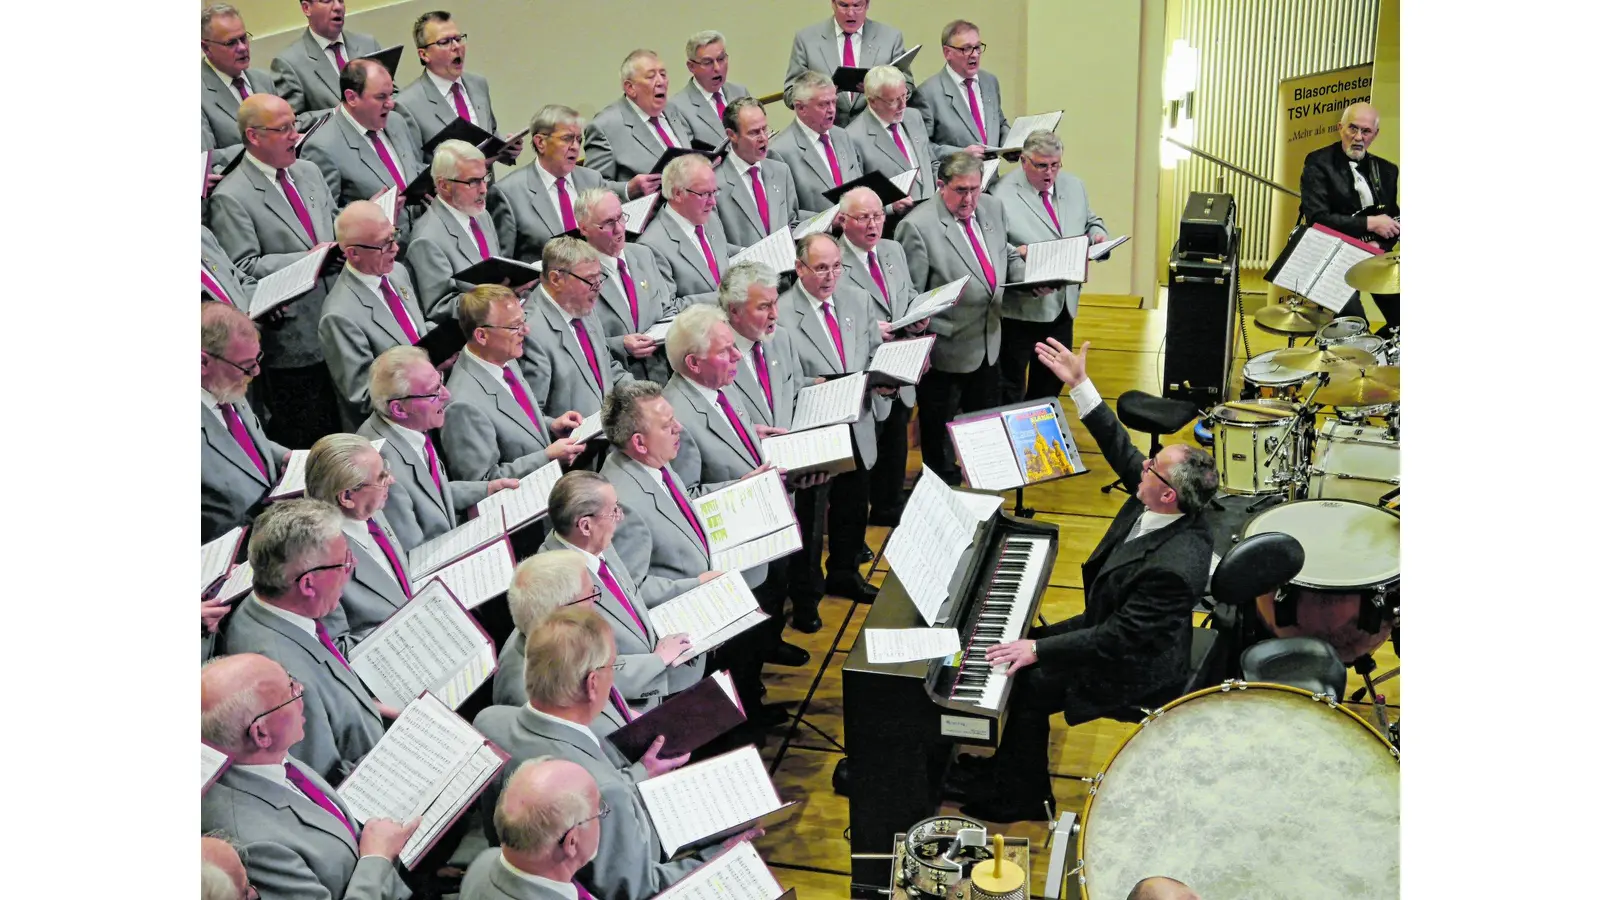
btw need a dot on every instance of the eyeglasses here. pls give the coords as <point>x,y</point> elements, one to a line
<point>867,218</point>
<point>709,62</point>
<point>234,44</point>
<point>385,247</point>
<point>348,564</point>
<point>469,182</point>
<point>570,139</point>
<point>296,690</point>
<point>974,50</point>
<point>384,477</point>
<point>584,599</point>
<point>615,515</point>
<point>1150,466</point>
<point>594,285</point>
<point>1043,167</point>
<point>450,41</point>
<point>837,269</point>
<point>965,192</point>
<point>704,194</point>
<point>280,128</point>
<point>605,810</point>
<point>250,367</point>
<point>520,328</point>
<point>437,392</point>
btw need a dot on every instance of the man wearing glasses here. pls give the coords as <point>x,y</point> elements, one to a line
<point>456,233</point>
<point>637,292</point>
<point>347,472</point>
<point>226,79</point>
<point>759,191</point>
<point>889,141</point>
<point>297,835</point>
<point>306,72</point>
<point>238,462</point>
<point>564,357</point>
<point>815,148</point>
<point>848,38</point>
<point>444,91</point>
<point>493,428</point>
<point>550,818</point>
<point>301,562</point>
<point>709,93</point>
<point>686,232</point>
<point>408,403</point>
<point>370,308</point>
<point>627,138</point>
<point>1130,646</point>
<point>961,105</point>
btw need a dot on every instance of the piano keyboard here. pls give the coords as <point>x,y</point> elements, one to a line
<point>1004,617</point>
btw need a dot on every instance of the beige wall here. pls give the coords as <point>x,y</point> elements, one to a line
<point>1386,80</point>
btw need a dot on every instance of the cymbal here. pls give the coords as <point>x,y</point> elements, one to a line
<point>1378,275</point>
<point>1342,328</point>
<point>1371,387</point>
<point>1338,359</point>
<point>1293,320</point>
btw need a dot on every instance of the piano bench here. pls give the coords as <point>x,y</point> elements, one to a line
<point>1205,659</point>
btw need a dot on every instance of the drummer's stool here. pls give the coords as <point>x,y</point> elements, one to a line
<point>1158,416</point>
<point>1259,564</point>
<point>1307,663</point>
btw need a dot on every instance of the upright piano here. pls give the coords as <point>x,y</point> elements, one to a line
<point>903,720</point>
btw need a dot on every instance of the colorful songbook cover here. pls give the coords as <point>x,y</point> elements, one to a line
<point>1043,452</point>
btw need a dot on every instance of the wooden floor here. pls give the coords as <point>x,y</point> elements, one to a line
<point>811,852</point>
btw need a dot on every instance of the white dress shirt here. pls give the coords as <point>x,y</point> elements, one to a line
<point>228,82</point>
<point>710,100</point>
<point>684,225</point>
<point>371,282</point>
<point>982,246</point>
<point>661,120</point>
<point>711,397</point>
<point>855,44</point>
<point>464,220</point>
<point>309,626</point>
<point>355,531</point>
<point>1085,397</point>
<point>444,91</point>
<point>272,176</point>
<point>414,439</point>
<point>362,130</point>
<point>816,145</point>
<point>581,729</point>
<point>977,91</point>
<point>210,402</point>
<point>549,181</point>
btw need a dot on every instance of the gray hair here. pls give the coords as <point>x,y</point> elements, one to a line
<point>1042,143</point>
<point>419,29</point>
<point>215,883</point>
<point>702,38</point>
<point>449,156</point>
<point>219,322</point>
<point>691,333</point>
<point>802,250</point>
<point>630,63</point>
<point>543,822</point>
<point>542,584</point>
<point>807,85</point>
<point>565,252</point>
<point>1352,109</point>
<point>854,197</point>
<point>958,164</point>
<point>880,77</point>
<point>576,494</point>
<point>331,466</point>
<point>216,11</point>
<point>1194,479</point>
<point>955,28</point>
<point>389,378</point>
<point>357,212</point>
<point>619,410</point>
<point>676,175</point>
<point>583,207</point>
<point>740,278</point>
<point>568,645</point>
<point>285,535</point>
<point>552,115</point>
<point>223,726</point>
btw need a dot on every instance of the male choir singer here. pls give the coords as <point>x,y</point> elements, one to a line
<point>686,232</point>
<point>709,92</point>
<point>238,462</point>
<point>849,38</point>
<point>961,105</point>
<point>628,137</point>
<point>306,73</point>
<point>637,292</point>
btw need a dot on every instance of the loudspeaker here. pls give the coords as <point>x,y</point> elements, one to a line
<point>1201,296</point>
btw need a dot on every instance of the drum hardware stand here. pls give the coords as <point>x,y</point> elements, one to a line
<point>1364,667</point>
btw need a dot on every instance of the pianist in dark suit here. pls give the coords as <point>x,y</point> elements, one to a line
<point>1340,180</point>
<point>1130,647</point>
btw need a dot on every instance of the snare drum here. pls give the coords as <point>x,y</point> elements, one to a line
<point>1348,591</point>
<point>1371,343</point>
<point>1272,381</point>
<point>1245,444</point>
<point>1247,790</point>
<point>1353,461</point>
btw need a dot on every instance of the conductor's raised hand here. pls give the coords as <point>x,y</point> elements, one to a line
<point>1071,368</point>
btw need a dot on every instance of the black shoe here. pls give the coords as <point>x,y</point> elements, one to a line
<point>806,620</point>
<point>769,715</point>
<point>852,587</point>
<point>1001,810</point>
<point>890,518</point>
<point>841,777</point>
<point>787,654</point>
<point>863,556</point>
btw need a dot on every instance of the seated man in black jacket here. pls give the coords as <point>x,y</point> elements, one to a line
<point>1130,647</point>
<point>1345,187</point>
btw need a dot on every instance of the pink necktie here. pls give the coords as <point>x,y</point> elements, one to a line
<point>627,716</point>
<point>977,249</point>
<point>761,198</point>
<point>849,51</point>
<point>338,53</point>
<point>241,87</point>
<point>237,429</point>
<point>684,507</point>
<point>761,373</point>
<point>383,543</point>
<point>293,196</point>
<point>738,426</point>
<point>1051,209</point>
<point>627,288</point>
<point>517,393</point>
<point>894,131</point>
<point>833,329</point>
<point>388,161</point>
<point>877,277</point>
<point>833,161</point>
<point>477,235</point>
<point>977,116</point>
<point>588,352</point>
<point>567,221</point>
<point>327,641</point>
<point>611,584</point>
<point>583,894</point>
<point>711,259</point>
<point>433,462</point>
<point>210,286</point>
<point>655,122</point>
<point>315,795</point>
<point>398,309</point>
<point>721,107</point>
<point>460,100</point>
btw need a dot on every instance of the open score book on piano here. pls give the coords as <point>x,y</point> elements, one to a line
<point>712,800</point>
<point>430,644</point>
<point>1013,446</point>
<point>749,522</point>
<point>935,529</point>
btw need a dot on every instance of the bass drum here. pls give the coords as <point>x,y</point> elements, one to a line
<point>1247,790</point>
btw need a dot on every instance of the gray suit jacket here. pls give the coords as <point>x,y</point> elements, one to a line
<point>736,208</point>
<point>510,689</point>
<point>702,114</point>
<point>238,284</point>
<point>555,366</point>
<point>486,435</point>
<point>526,216</point>
<point>1027,221</point>
<point>619,145</point>
<point>783,373</point>
<point>938,252</point>
<point>948,115</point>
<point>342,723</point>
<point>711,454</point>
<point>628,864</point>
<point>692,281</point>
<point>652,288</point>
<point>303,75</point>
<point>429,111</point>
<point>258,228</point>
<point>353,169</point>
<point>290,846</point>
<point>653,537</point>
<point>879,152</point>
<point>488,879</point>
<point>816,47</point>
<point>858,327</point>
<point>416,510</point>
<point>440,247</point>
<point>371,596</point>
<point>356,326</point>
<point>220,108</point>
<point>897,278</point>
<point>231,486</point>
<point>812,174</point>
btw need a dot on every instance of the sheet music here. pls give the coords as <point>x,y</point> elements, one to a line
<point>529,500</point>
<point>744,510</point>
<point>989,169</point>
<point>658,331</point>
<point>288,282</point>
<point>480,577</point>
<point>431,556</point>
<point>1104,248</point>
<point>430,644</point>
<point>776,250</point>
<point>1063,259</point>
<point>736,874</point>
<point>1023,126</point>
<point>982,506</point>
<point>898,645</point>
<point>453,799</point>
<point>817,224</point>
<point>986,455</point>
<point>705,798</point>
<point>753,553</point>
<point>635,212</point>
<point>705,610</point>
<point>837,400</point>
<point>212,762</point>
<point>217,555</point>
<point>807,449</point>
<point>935,528</point>
<point>1316,267</point>
<point>386,202</point>
<point>902,360</point>
<point>931,303</point>
<point>1330,290</point>
<point>293,482</point>
<point>591,427</point>
<point>904,179</point>
<point>240,582</point>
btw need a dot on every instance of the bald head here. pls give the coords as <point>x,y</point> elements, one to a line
<point>1160,887</point>
<point>361,226</point>
<point>1358,128</point>
<point>267,125</point>
<point>543,800</point>
<point>218,854</point>
<point>234,693</point>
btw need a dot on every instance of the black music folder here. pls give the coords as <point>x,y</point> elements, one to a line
<point>460,129</point>
<point>849,78</point>
<point>300,141</point>
<point>389,56</point>
<point>442,342</point>
<point>420,187</point>
<point>498,270</point>
<point>714,154</point>
<point>693,718</point>
<point>877,181</point>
